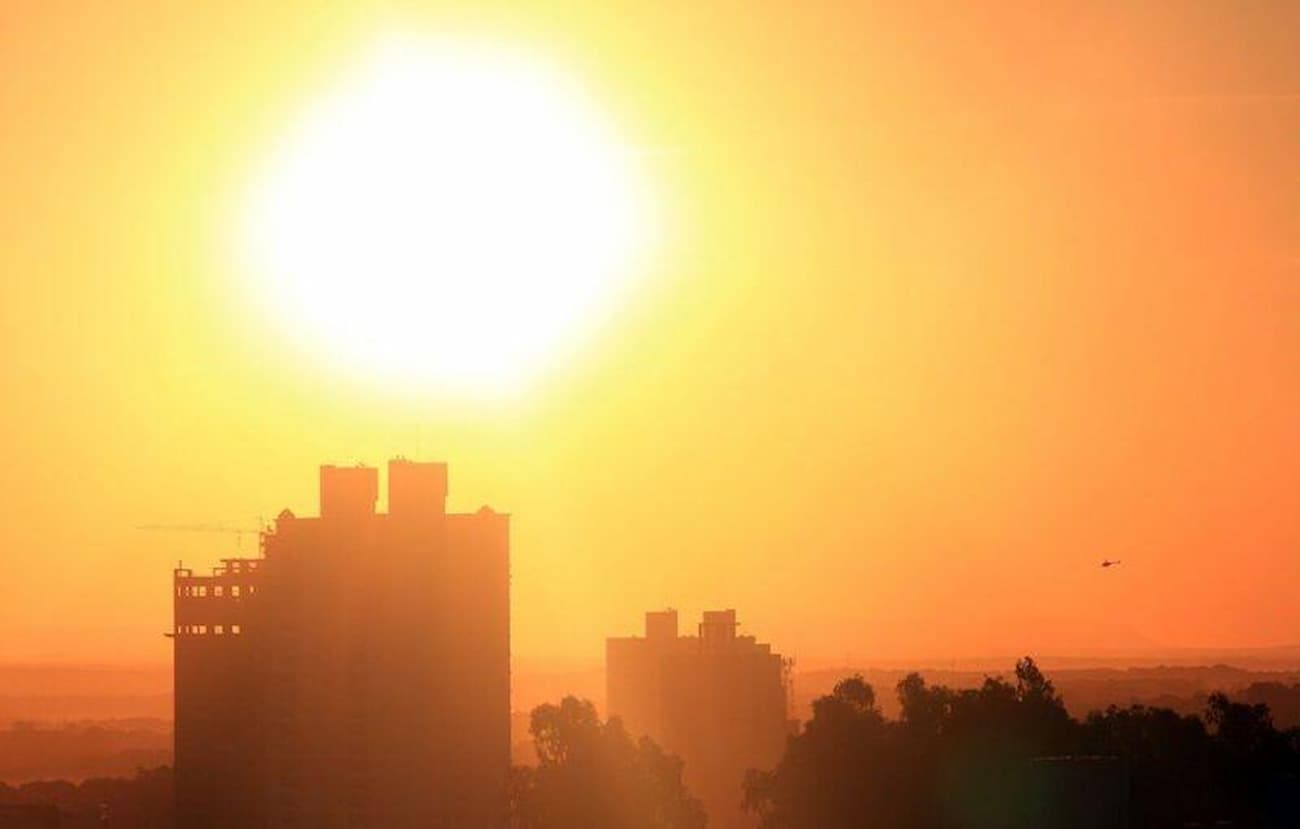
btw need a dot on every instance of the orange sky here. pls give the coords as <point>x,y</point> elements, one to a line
<point>954,306</point>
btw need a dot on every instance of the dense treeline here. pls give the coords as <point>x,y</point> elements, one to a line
<point>141,802</point>
<point>1007,754</point>
<point>1184,688</point>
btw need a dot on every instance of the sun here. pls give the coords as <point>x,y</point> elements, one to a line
<point>449,216</point>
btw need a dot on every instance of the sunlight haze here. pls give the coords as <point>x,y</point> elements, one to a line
<point>883,324</point>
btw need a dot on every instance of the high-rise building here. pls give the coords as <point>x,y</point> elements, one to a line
<point>357,673</point>
<point>718,700</point>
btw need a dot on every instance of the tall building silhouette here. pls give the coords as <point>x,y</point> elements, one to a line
<point>718,700</point>
<point>357,673</point>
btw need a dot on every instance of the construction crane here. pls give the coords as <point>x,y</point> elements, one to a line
<point>238,532</point>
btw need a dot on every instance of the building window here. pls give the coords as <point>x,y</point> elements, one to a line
<point>217,591</point>
<point>234,590</point>
<point>236,630</point>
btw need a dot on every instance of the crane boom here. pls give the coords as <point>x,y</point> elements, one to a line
<point>238,532</point>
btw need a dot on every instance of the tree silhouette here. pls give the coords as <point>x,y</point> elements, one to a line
<point>835,772</point>
<point>1007,755</point>
<point>591,773</point>
<point>1283,701</point>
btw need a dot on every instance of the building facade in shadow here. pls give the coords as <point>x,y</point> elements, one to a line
<point>718,700</point>
<point>357,673</point>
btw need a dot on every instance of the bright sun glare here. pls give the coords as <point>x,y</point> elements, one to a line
<point>448,217</point>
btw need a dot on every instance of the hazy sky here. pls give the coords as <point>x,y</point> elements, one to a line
<point>954,305</point>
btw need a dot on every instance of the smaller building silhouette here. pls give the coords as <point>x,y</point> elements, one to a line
<point>718,700</point>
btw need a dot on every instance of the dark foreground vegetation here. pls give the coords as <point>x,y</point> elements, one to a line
<point>591,773</point>
<point>1005,755</point>
<point>141,802</point>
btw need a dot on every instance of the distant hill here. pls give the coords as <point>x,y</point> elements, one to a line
<point>82,750</point>
<point>62,692</point>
